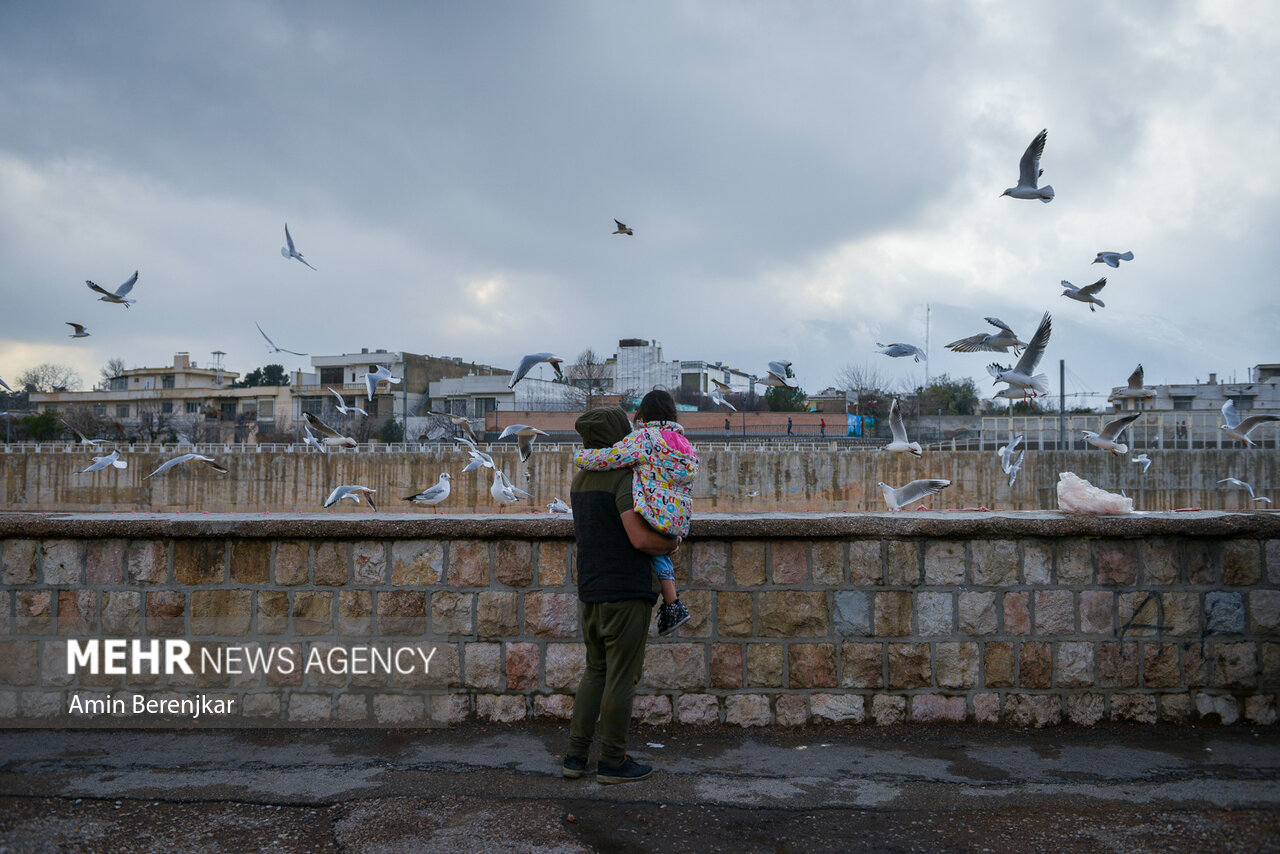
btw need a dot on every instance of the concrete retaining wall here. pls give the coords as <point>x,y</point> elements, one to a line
<point>828,478</point>
<point>1021,618</point>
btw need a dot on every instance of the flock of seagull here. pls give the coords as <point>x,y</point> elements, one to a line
<point>1020,379</point>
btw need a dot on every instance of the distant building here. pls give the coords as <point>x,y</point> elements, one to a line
<point>1261,393</point>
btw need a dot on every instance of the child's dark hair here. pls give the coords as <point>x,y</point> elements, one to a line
<point>657,405</point>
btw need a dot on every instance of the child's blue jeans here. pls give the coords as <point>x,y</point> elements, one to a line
<point>663,567</point>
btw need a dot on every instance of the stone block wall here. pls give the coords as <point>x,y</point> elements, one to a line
<point>1028,619</point>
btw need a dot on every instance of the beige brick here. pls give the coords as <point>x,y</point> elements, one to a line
<point>452,613</point>
<point>733,614</point>
<point>955,665</point>
<point>862,665</point>
<point>977,610</point>
<point>312,613</point>
<point>829,562</point>
<point>1085,709</point>
<point>1055,613</point>
<point>651,709</point>
<point>936,708</point>
<point>148,562</point>
<point>34,615</point>
<point>1260,709</point>
<point>523,661</point>
<point>273,612</point>
<point>994,562</point>
<point>221,612</point>
<point>553,563</point>
<point>1035,667</point>
<point>62,561</point>
<point>998,664</point>
<point>19,662</point>
<point>1264,612</point>
<point>726,665</point>
<point>452,708</point>
<point>469,563</point>
<point>838,708</point>
<point>369,559</point>
<point>1037,562</point>
<point>261,705</point>
<point>355,612</point>
<point>811,665</point>
<point>1242,562</point>
<point>944,562</point>
<point>888,709</point>
<point>496,613</point>
<point>1138,612</point>
<point>747,710</point>
<point>1074,562</point>
<point>1272,550</point>
<point>1225,709</point>
<point>790,710</point>
<point>401,710</point>
<point>1097,612</point>
<point>401,612</point>
<point>199,561</point>
<point>166,613</point>
<point>250,561</point>
<point>484,666</point>
<point>104,562</point>
<point>1075,665</point>
<point>935,614</point>
<point>1118,665</point>
<point>77,612</point>
<point>1181,613</point>
<point>865,565</point>
<point>1235,665</point>
<point>790,561</point>
<point>500,708</point>
<point>1139,708</point>
<point>513,562</point>
<point>902,563</point>
<point>1032,710</point>
<point>18,562</point>
<point>709,563</point>
<point>674,666</point>
<point>764,665</point>
<point>892,612</point>
<point>909,665</point>
<point>550,614</point>
<point>1161,665</point>
<point>565,664</point>
<point>698,710</point>
<point>1159,556</point>
<point>748,562</point>
<point>1117,563</point>
<point>310,707</point>
<point>1175,708</point>
<point>121,613</point>
<point>1203,561</point>
<point>414,563</point>
<point>558,706</point>
<point>1017,613</point>
<point>793,613</point>
<point>290,563</point>
<point>986,708</point>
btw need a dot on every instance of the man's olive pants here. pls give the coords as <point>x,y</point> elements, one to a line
<point>615,635</point>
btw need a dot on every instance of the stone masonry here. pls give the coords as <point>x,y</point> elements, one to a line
<point>1020,618</point>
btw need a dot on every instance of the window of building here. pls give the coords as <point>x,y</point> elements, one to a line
<point>1243,401</point>
<point>227,410</point>
<point>457,406</point>
<point>166,381</point>
<point>194,407</point>
<point>314,405</point>
<point>99,410</point>
<point>331,376</point>
<point>119,384</point>
<point>166,407</point>
<point>266,409</point>
<point>249,409</point>
<point>122,410</point>
<point>485,405</point>
<point>1183,402</point>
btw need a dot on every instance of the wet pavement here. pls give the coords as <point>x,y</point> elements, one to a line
<point>495,788</point>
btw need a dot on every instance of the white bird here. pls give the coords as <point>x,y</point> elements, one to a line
<point>118,296</point>
<point>912,492</point>
<point>354,493</point>
<point>380,373</point>
<point>1113,259</point>
<point>1020,376</point>
<point>900,350</point>
<point>479,459</point>
<point>433,495</point>
<point>1144,459</point>
<point>527,363</point>
<point>1106,440</point>
<point>84,440</point>
<point>1015,467</point>
<point>460,421</point>
<point>342,407</point>
<point>1237,429</point>
<point>310,439</point>
<point>1000,342</point>
<point>209,461</point>
<point>524,438</point>
<point>717,394</point>
<point>558,506</point>
<point>1029,173</point>
<point>1134,387</point>
<point>100,463</point>
<point>1013,393</point>
<point>79,330</point>
<point>776,376</point>
<point>1246,487</point>
<point>622,228</point>
<point>271,345</point>
<point>1085,294</point>
<point>1006,453</point>
<point>900,445</point>
<point>289,251</point>
<point>331,437</point>
<point>504,491</point>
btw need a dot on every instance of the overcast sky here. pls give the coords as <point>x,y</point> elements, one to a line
<point>802,178</point>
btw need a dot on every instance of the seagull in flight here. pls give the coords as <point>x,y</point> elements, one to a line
<point>1135,387</point>
<point>1021,376</point>
<point>271,345</point>
<point>1087,294</point>
<point>1029,173</point>
<point>524,438</point>
<point>354,493</point>
<point>331,437</point>
<point>433,495</point>
<point>186,458</point>
<point>479,459</point>
<point>900,445</point>
<point>1113,259</point>
<point>460,421</point>
<point>1000,342</point>
<point>310,439</point>
<point>1144,459</point>
<point>776,376</point>
<point>84,440</point>
<point>1237,429</point>
<point>119,296</point>
<point>899,350</point>
<point>1246,487</point>
<point>504,491</point>
<point>289,251</point>
<point>622,228</point>
<point>79,330</point>
<point>912,492</point>
<point>1110,433</point>
<point>1006,453</point>
<point>717,394</point>
<point>527,363</point>
<point>381,373</point>
<point>342,407</point>
<point>100,463</point>
<point>1015,467</point>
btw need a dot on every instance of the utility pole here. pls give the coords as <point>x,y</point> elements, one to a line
<point>1062,403</point>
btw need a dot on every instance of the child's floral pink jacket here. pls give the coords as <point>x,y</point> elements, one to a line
<point>665,468</point>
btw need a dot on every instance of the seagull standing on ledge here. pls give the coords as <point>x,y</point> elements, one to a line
<point>504,491</point>
<point>1029,173</point>
<point>433,495</point>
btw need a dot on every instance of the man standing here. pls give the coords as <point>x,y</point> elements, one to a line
<point>617,589</point>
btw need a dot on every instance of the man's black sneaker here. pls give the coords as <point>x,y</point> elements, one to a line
<point>671,617</point>
<point>629,771</point>
<point>573,767</point>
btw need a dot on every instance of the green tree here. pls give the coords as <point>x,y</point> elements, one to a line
<point>42,426</point>
<point>784,399</point>
<point>391,432</point>
<point>266,375</point>
<point>951,397</point>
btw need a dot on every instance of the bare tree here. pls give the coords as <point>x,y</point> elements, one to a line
<point>49,377</point>
<point>591,378</point>
<point>112,369</point>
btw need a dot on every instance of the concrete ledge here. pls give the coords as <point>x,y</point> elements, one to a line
<point>535,526</point>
